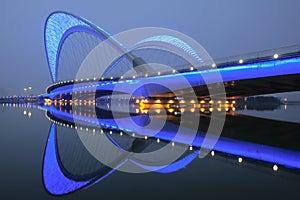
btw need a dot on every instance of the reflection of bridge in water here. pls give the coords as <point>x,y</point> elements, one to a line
<point>243,138</point>
<point>87,101</point>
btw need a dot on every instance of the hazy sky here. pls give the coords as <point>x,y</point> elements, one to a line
<point>223,28</point>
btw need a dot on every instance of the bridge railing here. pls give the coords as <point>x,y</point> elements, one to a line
<point>266,55</point>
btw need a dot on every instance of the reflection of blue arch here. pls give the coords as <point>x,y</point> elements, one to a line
<point>56,182</point>
<point>54,179</point>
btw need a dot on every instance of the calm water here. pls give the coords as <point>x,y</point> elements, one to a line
<point>23,141</point>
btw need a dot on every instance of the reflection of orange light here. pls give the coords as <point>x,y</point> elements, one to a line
<point>157,111</point>
<point>192,109</point>
<point>182,101</point>
<point>202,109</point>
<point>171,110</point>
<point>192,101</point>
<point>182,110</point>
<point>219,109</point>
<point>211,109</point>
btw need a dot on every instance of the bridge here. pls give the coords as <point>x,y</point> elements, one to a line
<point>69,39</point>
<point>273,73</point>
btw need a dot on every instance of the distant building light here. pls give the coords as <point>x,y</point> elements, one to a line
<point>241,61</point>
<point>275,56</point>
<point>212,153</point>
<point>275,168</point>
<point>214,65</point>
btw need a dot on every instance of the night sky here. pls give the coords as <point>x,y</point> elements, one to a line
<point>223,28</point>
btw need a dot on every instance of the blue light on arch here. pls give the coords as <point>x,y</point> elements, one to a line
<point>61,24</point>
<point>173,41</point>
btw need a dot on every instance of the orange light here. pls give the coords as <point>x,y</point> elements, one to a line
<point>142,106</point>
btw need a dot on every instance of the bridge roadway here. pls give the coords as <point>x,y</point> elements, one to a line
<point>262,77</point>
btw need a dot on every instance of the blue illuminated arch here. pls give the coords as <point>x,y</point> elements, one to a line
<point>174,41</point>
<point>59,25</point>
